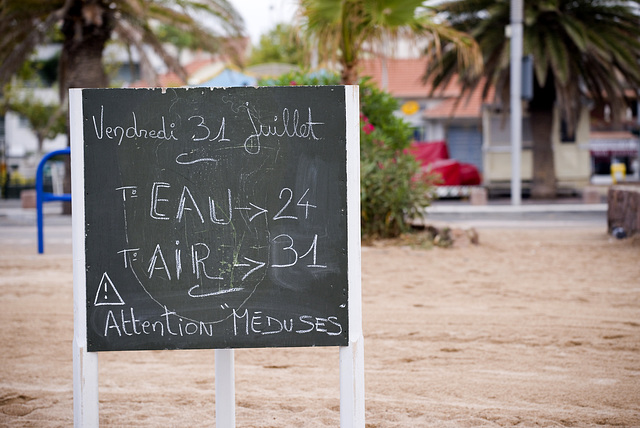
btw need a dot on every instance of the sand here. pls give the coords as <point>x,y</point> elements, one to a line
<point>532,327</point>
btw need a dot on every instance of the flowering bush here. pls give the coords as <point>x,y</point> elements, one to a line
<point>392,186</point>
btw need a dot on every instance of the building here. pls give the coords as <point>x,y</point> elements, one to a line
<point>18,144</point>
<point>478,131</point>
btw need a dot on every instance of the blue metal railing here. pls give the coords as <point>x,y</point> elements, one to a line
<point>42,196</point>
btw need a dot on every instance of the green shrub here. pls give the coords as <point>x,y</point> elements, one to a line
<point>392,186</point>
<point>299,77</point>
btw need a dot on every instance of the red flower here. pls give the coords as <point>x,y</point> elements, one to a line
<point>368,128</point>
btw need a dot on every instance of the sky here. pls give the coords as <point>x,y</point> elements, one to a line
<point>260,16</point>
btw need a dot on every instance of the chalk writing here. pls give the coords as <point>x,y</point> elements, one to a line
<point>133,131</point>
<point>180,159</point>
<point>107,293</point>
<point>126,323</point>
<point>245,322</point>
<point>220,212</point>
<point>204,132</point>
<point>290,125</point>
<point>223,223</point>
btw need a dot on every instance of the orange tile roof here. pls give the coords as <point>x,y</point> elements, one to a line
<point>468,107</point>
<point>404,80</point>
<point>404,76</point>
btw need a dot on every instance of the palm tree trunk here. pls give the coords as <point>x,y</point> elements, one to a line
<point>86,29</point>
<point>349,75</point>
<point>544,175</point>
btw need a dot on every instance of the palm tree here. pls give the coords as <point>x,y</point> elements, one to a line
<point>342,27</point>
<point>582,49</point>
<point>87,25</point>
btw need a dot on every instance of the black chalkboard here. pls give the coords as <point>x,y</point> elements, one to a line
<point>215,218</point>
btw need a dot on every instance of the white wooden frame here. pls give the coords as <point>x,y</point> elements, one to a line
<point>352,356</point>
<point>85,364</point>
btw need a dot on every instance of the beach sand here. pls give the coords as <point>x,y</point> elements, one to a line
<point>531,327</point>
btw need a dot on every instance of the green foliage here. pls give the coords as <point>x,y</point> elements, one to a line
<point>392,186</point>
<point>281,44</point>
<point>46,119</point>
<point>582,50</point>
<point>379,107</point>
<point>342,29</point>
<point>49,70</point>
<point>177,37</point>
<point>585,49</point>
<point>39,72</point>
<point>303,78</point>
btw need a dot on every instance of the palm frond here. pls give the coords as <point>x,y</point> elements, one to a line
<point>26,23</point>
<point>342,27</point>
<point>558,56</point>
<point>589,47</point>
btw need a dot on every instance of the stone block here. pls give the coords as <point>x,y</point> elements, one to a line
<point>624,209</point>
<point>28,199</point>
<point>478,196</point>
<point>592,195</point>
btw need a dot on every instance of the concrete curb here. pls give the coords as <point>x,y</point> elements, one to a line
<point>515,209</point>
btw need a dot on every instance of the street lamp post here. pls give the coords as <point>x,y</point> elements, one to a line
<point>515,102</point>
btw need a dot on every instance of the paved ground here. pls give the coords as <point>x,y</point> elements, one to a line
<point>12,214</point>
<point>499,213</point>
<point>560,213</point>
<point>18,225</point>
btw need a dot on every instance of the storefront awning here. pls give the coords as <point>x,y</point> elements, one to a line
<point>605,147</point>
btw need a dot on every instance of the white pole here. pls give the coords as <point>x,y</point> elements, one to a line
<point>516,104</point>
<point>225,389</point>
<point>85,364</point>
<point>352,356</point>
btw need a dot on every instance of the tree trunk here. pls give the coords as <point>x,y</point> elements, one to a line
<point>544,174</point>
<point>86,28</point>
<point>349,75</point>
<point>541,111</point>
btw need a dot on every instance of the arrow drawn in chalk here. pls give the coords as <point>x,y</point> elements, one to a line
<point>258,266</point>
<point>107,293</point>
<point>193,291</point>
<point>260,210</point>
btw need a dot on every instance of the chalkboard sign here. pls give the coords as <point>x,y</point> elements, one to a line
<point>215,217</point>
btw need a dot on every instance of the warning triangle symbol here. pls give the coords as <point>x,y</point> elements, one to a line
<point>107,293</point>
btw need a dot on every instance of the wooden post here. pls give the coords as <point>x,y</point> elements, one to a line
<point>85,365</point>
<point>225,389</point>
<point>352,406</point>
